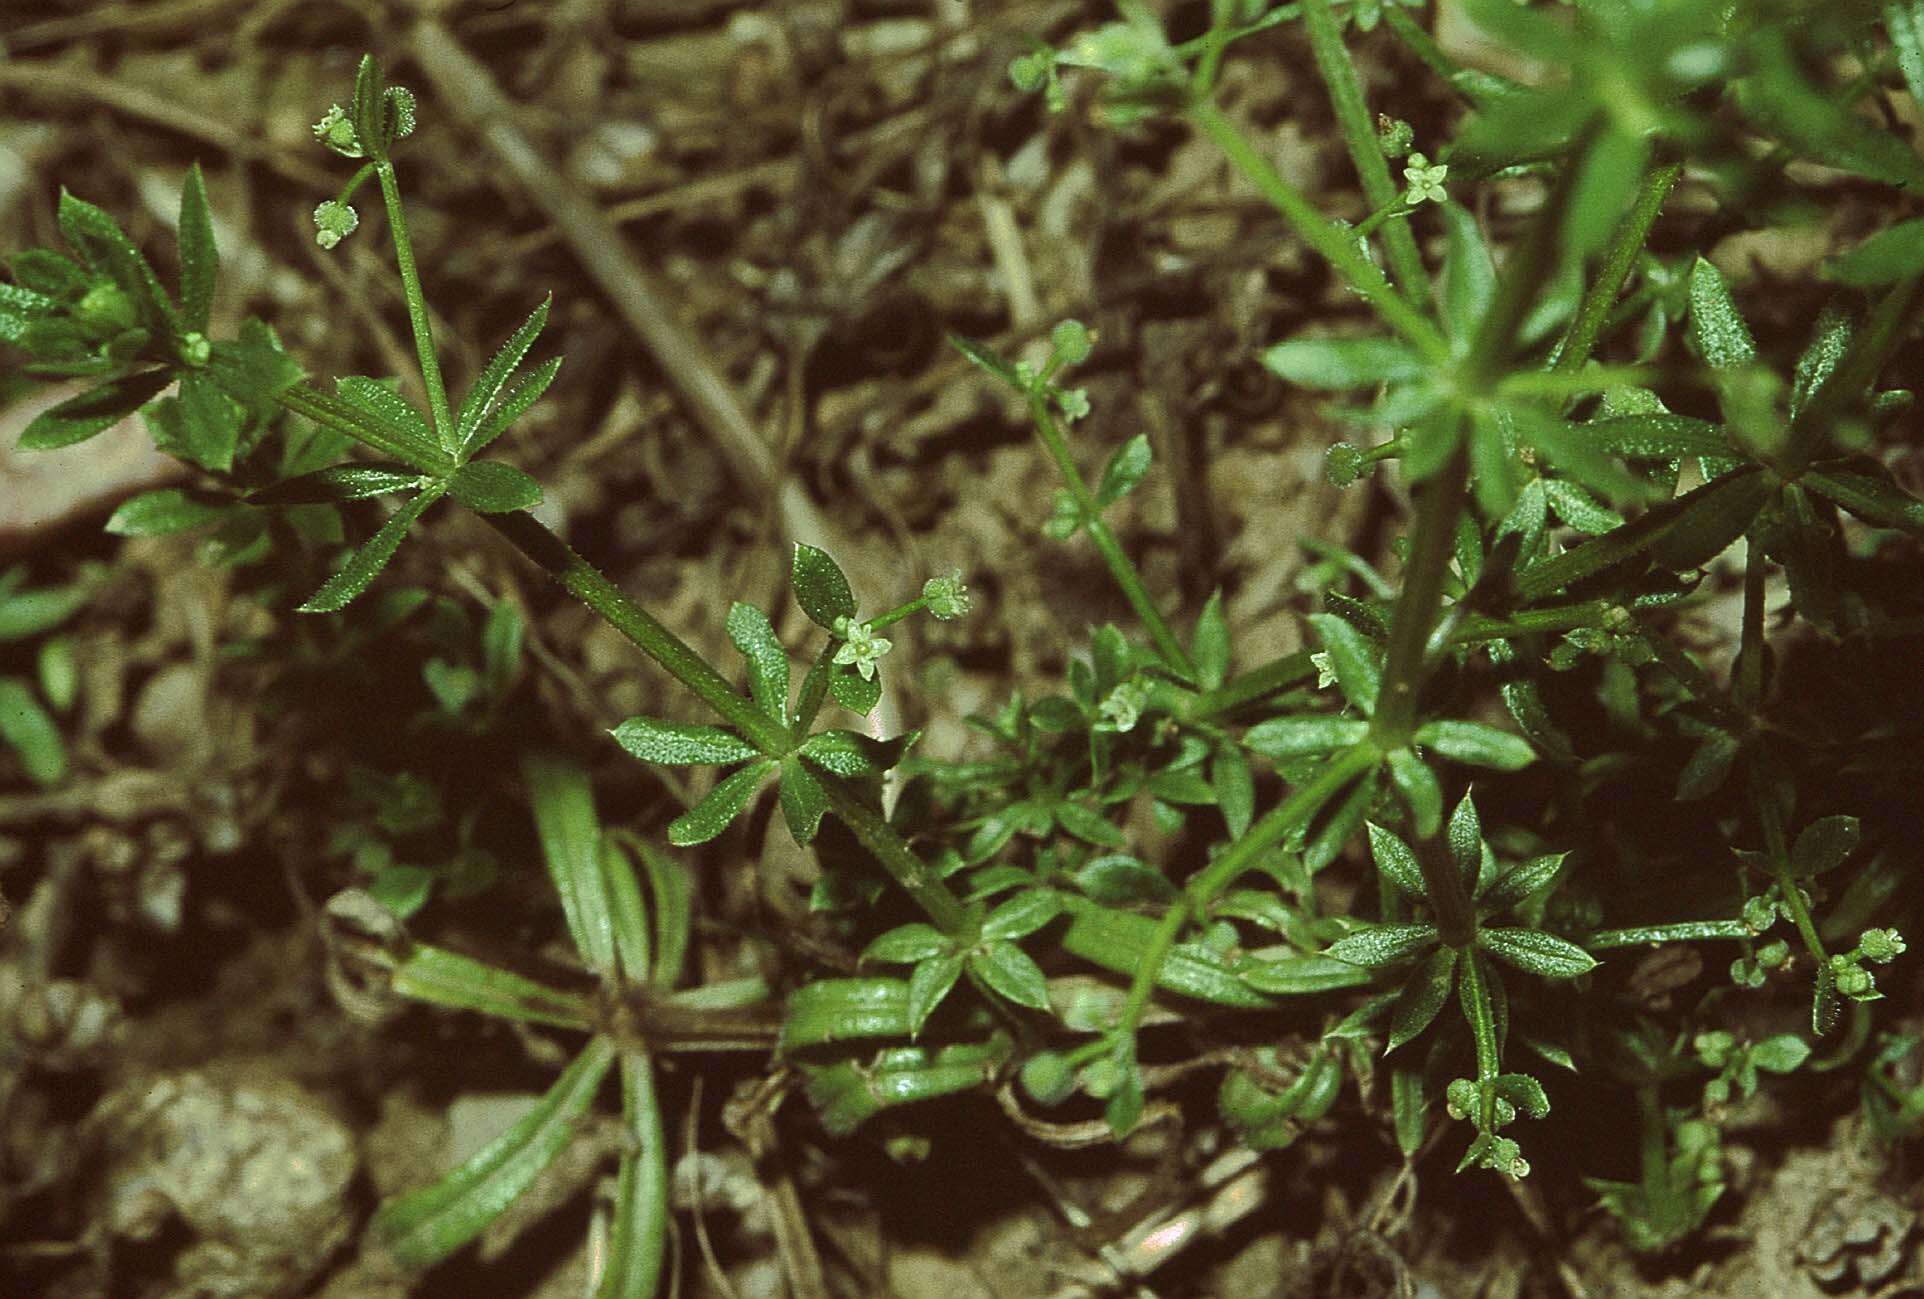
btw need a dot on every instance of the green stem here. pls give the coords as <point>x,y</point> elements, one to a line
<point>417,304</point>
<point>1240,691</point>
<point>1749,683</point>
<point>1777,850</point>
<point>1476,628</point>
<point>1121,567</point>
<point>1477,87</point>
<point>1574,348</point>
<point>1687,931</point>
<point>916,876</point>
<point>1353,116</point>
<point>1438,502</point>
<point>1230,864</point>
<point>814,690</point>
<point>1336,244</point>
<point>1482,1018</point>
<point>587,584</point>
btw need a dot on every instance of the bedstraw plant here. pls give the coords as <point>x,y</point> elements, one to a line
<point>1417,839</point>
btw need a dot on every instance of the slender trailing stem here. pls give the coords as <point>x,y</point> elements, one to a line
<point>874,832</point>
<point>1777,851</point>
<point>417,306</point>
<point>1121,567</point>
<point>1574,348</point>
<point>1684,932</point>
<point>1353,116</point>
<point>1749,683</point>
<point>1475,629</point>
<point>1335,244</point>
<point>1234,860</point>
<point>586,583</point>
<point>1438,502</point>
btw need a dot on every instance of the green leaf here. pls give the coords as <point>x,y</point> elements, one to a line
<point>168,510</point>
<point>853,691</point>
<point>1884,258</point>
<point>1126,468</point>
<point>1375,945</point>
<point>427,1225</point>
<point>92,412</point>
<point>1784,1053</point>
<point>1354,659</point>
<point>381,404</point>
<point>1300,976</point>
<point>907,944</point>
<point>364,111</point>
<point>820,588</point>
<point>839,1010</point>
<point>681,743</point>
<point>1342,362</point>
<point>494,376</point>
<point>1721,335</point>
<point>1009,971</point>
<point>1607,180</point>
<point>208,427</point>
<point>1396,863</point>
<point>491,487</point>
<point>46,274</point>
<point>846,1095</point>
<point>1536,952</point>
<point>1830,340</point>
<point>768,668</point>
<point>1655,436</point>
<point>1118,879</point>
<point>803,801</point>
<point>1310,733</point>
<point>639,1231</point>
<point>1118,941</point>
<point>365,564</point>
<point>103,245</point>
<point>1871,495</point>
<point>1466,842</point>
<point>570,834</point>
<point>929,985</point>
<point>1707,768</point>
<point>1512,887</point>
<point>1680,534</point>
<point>31,733</point>
<point>254,369</point>
<point>199,259</point>
<point>1824,844</point>
<point>1420,790</point>
<point>1423,994</point>
<point>1469,276</point>
<point>443,978</point>
<point>985,360</point>
<point>724,803</point>
<point>850,754</point>
<point>627,911</point>
<point>1090,826</point>
<point>353,482</point>
<point>1234,787</point>
<point>514,403</point>
<point>1209,647</point>
<point>1579,509</point>
<point>1022,914</point>
<point>1477,744</point>
<point>1818,123</point>
<point>25,613</point>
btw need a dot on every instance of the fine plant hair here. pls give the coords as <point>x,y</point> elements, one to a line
<point>1416,865</point>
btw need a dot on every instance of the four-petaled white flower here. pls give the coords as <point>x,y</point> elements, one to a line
<point>860,647</point>
<point>1123,707</point>
<point>1426,182</point>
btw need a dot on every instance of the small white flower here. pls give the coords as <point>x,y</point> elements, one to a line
<point>337,133</point>
<point>860,648</point>
<point>1325,671</point>
<point>1123,708</point>
<point>1426,182</point>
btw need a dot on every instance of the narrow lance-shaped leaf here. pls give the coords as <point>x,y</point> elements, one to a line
<point>428,1225</point>
<point>1011,972</point>
<point>768,669</point>
<point>1422,996</point>
<point>639,1231</point>
<point>841,1010</point>
<point>1476,744</point>
<point>365,564</point>
<point>444,978</point>
<point>514,403</point>
<point>494,375</point>
<point>100,241</point>
<point>338,483</point>
<point>570,833</point>
<point>803,801</point>
<point>681,743</point>
<point>1397,863</point>
<point>724,803</point>
<point>1536,952</point>
<point>1126,468</point>
<point>388,408</point>
<point>92,412</point>
<point>1719,329</point>
<point>199,259</point>
<point>27,729</point>
<point>1375,945</point>
<point>166,511</point>
<point>1342,362</point>
<point>1353,658</point>
<point>1421,791</point>
<point>1291,737</point>
<point>492,487</point>
<point>1871,495</point>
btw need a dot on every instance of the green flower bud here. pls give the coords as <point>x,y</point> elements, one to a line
<point>1855,982</point>
<point>195,349</point>
<point>333,222</point>
<point>1881,945</point>
<point>336,132</point>
<point>1342,465</point>
<point>947,596</point>
<point>105,308</point>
